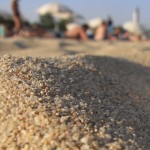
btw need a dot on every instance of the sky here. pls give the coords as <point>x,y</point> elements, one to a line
<point>119,10</point>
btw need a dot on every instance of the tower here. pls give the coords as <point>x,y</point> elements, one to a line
<point>136,16</point>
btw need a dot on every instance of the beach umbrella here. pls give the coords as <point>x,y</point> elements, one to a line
<point>58,11</point>
<point>94,23</point>
<point>134,26</point>
<point>53,8</point>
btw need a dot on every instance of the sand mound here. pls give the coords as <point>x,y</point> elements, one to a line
<point>78,102</point>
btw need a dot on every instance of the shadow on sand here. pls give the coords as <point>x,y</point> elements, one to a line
<point>20,45</point>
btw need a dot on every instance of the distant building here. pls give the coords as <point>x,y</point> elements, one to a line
<point>136,16</point>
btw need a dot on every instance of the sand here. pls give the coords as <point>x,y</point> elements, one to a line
<point>138,52</point>
<point>76,101</point>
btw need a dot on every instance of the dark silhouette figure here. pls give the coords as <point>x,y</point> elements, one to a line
<point>16,16</point>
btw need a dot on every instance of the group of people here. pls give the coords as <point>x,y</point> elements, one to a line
<point>105,30</point>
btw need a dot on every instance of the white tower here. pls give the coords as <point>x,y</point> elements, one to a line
<point>136,16</point>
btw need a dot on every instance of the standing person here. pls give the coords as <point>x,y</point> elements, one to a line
<point>110,27</point>
<point>16,16</point>
<point>101,32</point>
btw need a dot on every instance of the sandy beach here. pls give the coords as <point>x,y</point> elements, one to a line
<point>94,95</point>
<point>133,51</point>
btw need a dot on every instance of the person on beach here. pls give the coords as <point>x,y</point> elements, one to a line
<point>110,27</point>
<point>101,32</point>
<point>78,33</point>
<point>16,16</point>
<point>117,34</point>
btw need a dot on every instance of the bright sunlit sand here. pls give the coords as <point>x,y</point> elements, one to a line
<point>95,95</point>
<point>74,75</point>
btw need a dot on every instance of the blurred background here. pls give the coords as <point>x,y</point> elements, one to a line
<point>62,12</point>
<point>120,10</point>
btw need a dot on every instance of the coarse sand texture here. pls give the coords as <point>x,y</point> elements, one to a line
<point>74,103</point>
